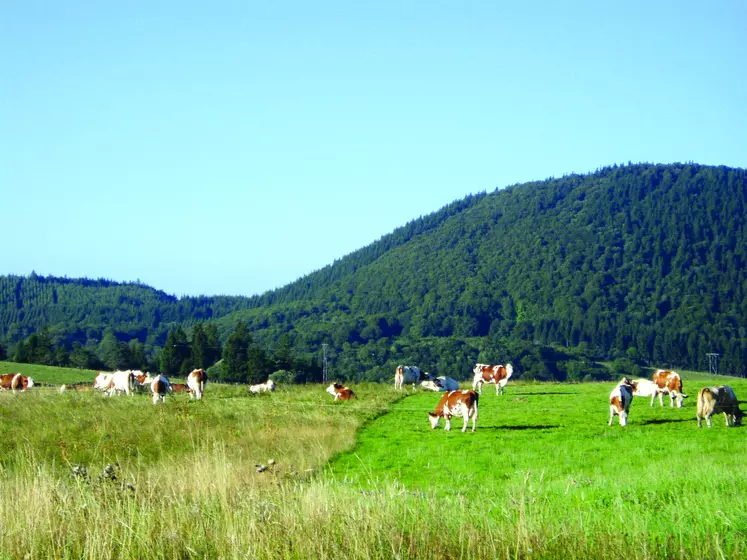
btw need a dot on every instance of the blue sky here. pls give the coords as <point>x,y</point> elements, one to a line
<point>232,147</point>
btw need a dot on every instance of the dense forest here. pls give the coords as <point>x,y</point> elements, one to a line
<point>637,264</point>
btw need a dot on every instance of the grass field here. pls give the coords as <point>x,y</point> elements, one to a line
<point>542,477</point>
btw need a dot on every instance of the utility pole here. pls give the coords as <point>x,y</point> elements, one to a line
<point>324,366</point>
<point>713,362</point>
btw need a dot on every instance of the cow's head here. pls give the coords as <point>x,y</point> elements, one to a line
<point>431,385</point>
<point>332,389</point>
<point>434,419</point>
<point>29,382</point>
<point>738,415</point>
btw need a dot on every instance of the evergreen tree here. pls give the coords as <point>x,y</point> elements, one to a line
<point>81,357</point>
<point>113,353</point>
<point>3,353</point>
<point>235,354</point>
<point>199,348</point>
<point>175,352</point>
<point>213,349</point>
<point>257,364</point>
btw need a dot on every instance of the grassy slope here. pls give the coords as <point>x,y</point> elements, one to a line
<point>546,452</point>
<point>542,477</point>
<point>49,374</point>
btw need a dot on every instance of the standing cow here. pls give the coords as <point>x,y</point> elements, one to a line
<point>15,381</point>
<point>620,399</point>
<point>668,382</point>
<point>485,373</point>
<point>408,374</point>
<point>455,403</point>
<point>196,381</point>
<point>159,386</point>
<point>712,400</point>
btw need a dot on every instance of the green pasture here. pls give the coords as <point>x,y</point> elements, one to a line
<point>294,475</point>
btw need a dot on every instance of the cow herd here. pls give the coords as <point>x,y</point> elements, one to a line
<point>711,400</point>
<point>454,402</point>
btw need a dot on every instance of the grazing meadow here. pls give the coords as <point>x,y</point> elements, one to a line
<point>294,475</point>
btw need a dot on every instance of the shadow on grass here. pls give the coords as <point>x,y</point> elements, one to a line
<point>667,421</point>
<point>538,427</point>
<point>540,393</point>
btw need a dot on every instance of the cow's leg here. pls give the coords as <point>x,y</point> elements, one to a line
<point>700,421</point>
<point>726,419</point>
<point>612,415</point>
<point>671,400</point>
<point>474,419</point>
<point>708,420</point>
<point>661,399</point>
<point>447,427</point>
<point>623,418</point>
<point>653,398</point>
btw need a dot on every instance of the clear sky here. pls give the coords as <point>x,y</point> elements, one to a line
<point>232,147</point>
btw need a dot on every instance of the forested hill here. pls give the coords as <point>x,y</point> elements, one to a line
<point>79,310</point>
<point>641,261</point>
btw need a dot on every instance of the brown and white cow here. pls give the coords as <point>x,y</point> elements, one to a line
<point>159,385</point>
<point>340,393</point>
<point>713,400</point>
<point>196,382</point>
<point>408,374</point>
<point>179,388</point>
<point>456,403</point>
<point>14,382</point>
<point>620,399</point>
<point>668,382</point>
<point>485,373</point>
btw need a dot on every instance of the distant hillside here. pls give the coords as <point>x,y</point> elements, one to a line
<point>78,310</point>
<point>642,262</point>
<point>646,261</point>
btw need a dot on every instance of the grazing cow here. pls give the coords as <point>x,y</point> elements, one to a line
<point>340,393</point>
<point>485,373</point>
<point>408,374</point>
<point>140,377</point>
<point>440,383</point>
<point>267,386</point>
<point>668,382</point>
<point>15,381</point>
<point>159,386</point>
<point>712,400</point>
<point>620,399</point>
<point>102,381</point>
<point>196,381</point>
<point>456,403</point>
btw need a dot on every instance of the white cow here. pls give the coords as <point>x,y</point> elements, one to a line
<point>440,383</point>
<point>267,386</point>
<point>408,374</point>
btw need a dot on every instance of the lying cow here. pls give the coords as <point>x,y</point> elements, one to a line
<point>267,386</point>
<point>15,381</point>
<point>340,393</point>
<point>409,374</point>
<point>180,388</point>
<point>485,373</point>
<point>620,399</point>
<point>669,382</point>
<point>455,403</point>
<point>441,383</point>
<point>76,387</point>
<point>196,381</point>
<point>713,400</point>
<point>160,386</point>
